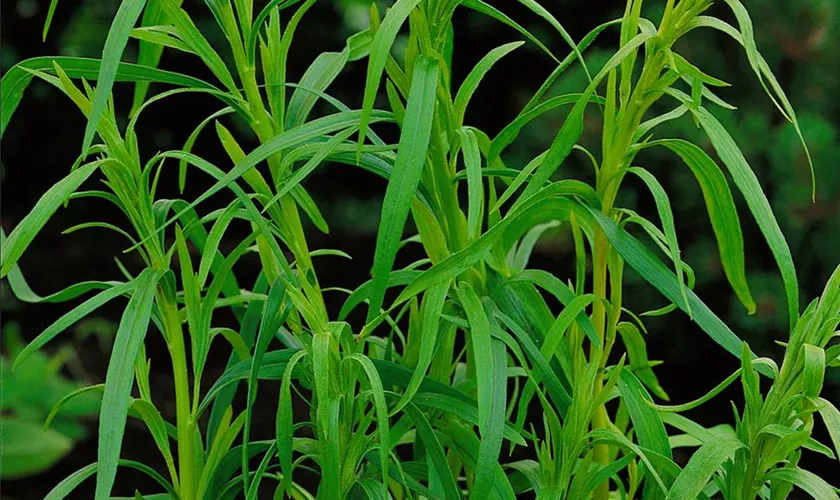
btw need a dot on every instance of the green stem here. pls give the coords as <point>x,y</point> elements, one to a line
<point>601,419</point>
<point>184,416</point>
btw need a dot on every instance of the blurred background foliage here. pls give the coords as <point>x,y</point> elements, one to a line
<point>800,40</point>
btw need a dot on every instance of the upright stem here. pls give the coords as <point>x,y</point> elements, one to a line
<point>184,416</point>
<point>600,275</point>
<point>608,182</point>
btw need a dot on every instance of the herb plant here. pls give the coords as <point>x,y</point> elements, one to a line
<point>476,352</point>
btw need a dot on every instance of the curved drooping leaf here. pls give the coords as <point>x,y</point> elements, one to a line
<point>271,368</point>
<point>65,488</point>
<point>722,213</point>
<point>747,182</point>
<point>17,78</point>
<point>811,483</point>
<point>23,234</point>
<point>471,82</point>
<point>491,11</point>
<point>79,312</point>
<point>655,273</point>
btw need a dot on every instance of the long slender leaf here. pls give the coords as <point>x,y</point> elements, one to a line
<point>411,156</point>
<point>76,314</point>
<point>380,49</point>
<point>120,378</point>
<point>124,21</point>
<point>811,483</point>
<point>748,184</point>
<point>722,214</point>
<point>28,228</point>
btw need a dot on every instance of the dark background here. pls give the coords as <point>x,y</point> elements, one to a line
<point>799,39</point>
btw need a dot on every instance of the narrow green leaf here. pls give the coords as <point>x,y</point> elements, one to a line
<point>154,36</point>
<point>28,228</point>
<point>284,422</point>
<point>48,19</point>
<point>573,126</point>
<point>613,437</point>
<point>408,167</point>
<point>65,488</point>
<point>831,418</point>
<point>17,78</point>
<point>273,318</point>
<point>149,53</point>
<point>511,131</point>
<point>748,184</point>
<point>381,407</point>
<point>666,215</point>
<point>320,74</point>
<point>67,397</point>
<point>374,490</point>
<point>157,427</point>
<point>655,273</point>
<point>76,314</point>
<point>699,401</point>
<point>552,203</point>
<point>272,367</point>
<point>219,450</point>
<point>435,451</point>
<point>432,307</point>
<point>763,72</point>
<point>120,378</point>
<point>259,473</point>
<point>124,21</point>
<point>490,356</point>
<point>326,412</point>
<point>471,82</point>
<point>722,214</point>
<point>636,347</point>
<point>194,39</point>
<point>811,483</point>
<point>214,238</point>
<point>468,412</point>
<point>545,14</point>
<point>380,49</point>
<point>475,188</point>
<point>482,351</point>
<point>292,183</point>
<point>491,11</point>
<point>557,392</point>
<point>702,465</point>
<point>254,32</point>
<point>278,143</point>
<point>647,425</point>
<point>548,83</point>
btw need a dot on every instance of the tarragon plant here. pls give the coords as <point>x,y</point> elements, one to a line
<point>476,352</point>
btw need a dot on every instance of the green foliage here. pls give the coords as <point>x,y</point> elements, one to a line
<point>32,396</point>
<point>420,398</point>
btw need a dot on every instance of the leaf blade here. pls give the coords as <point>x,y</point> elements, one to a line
<point>405,176</point>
